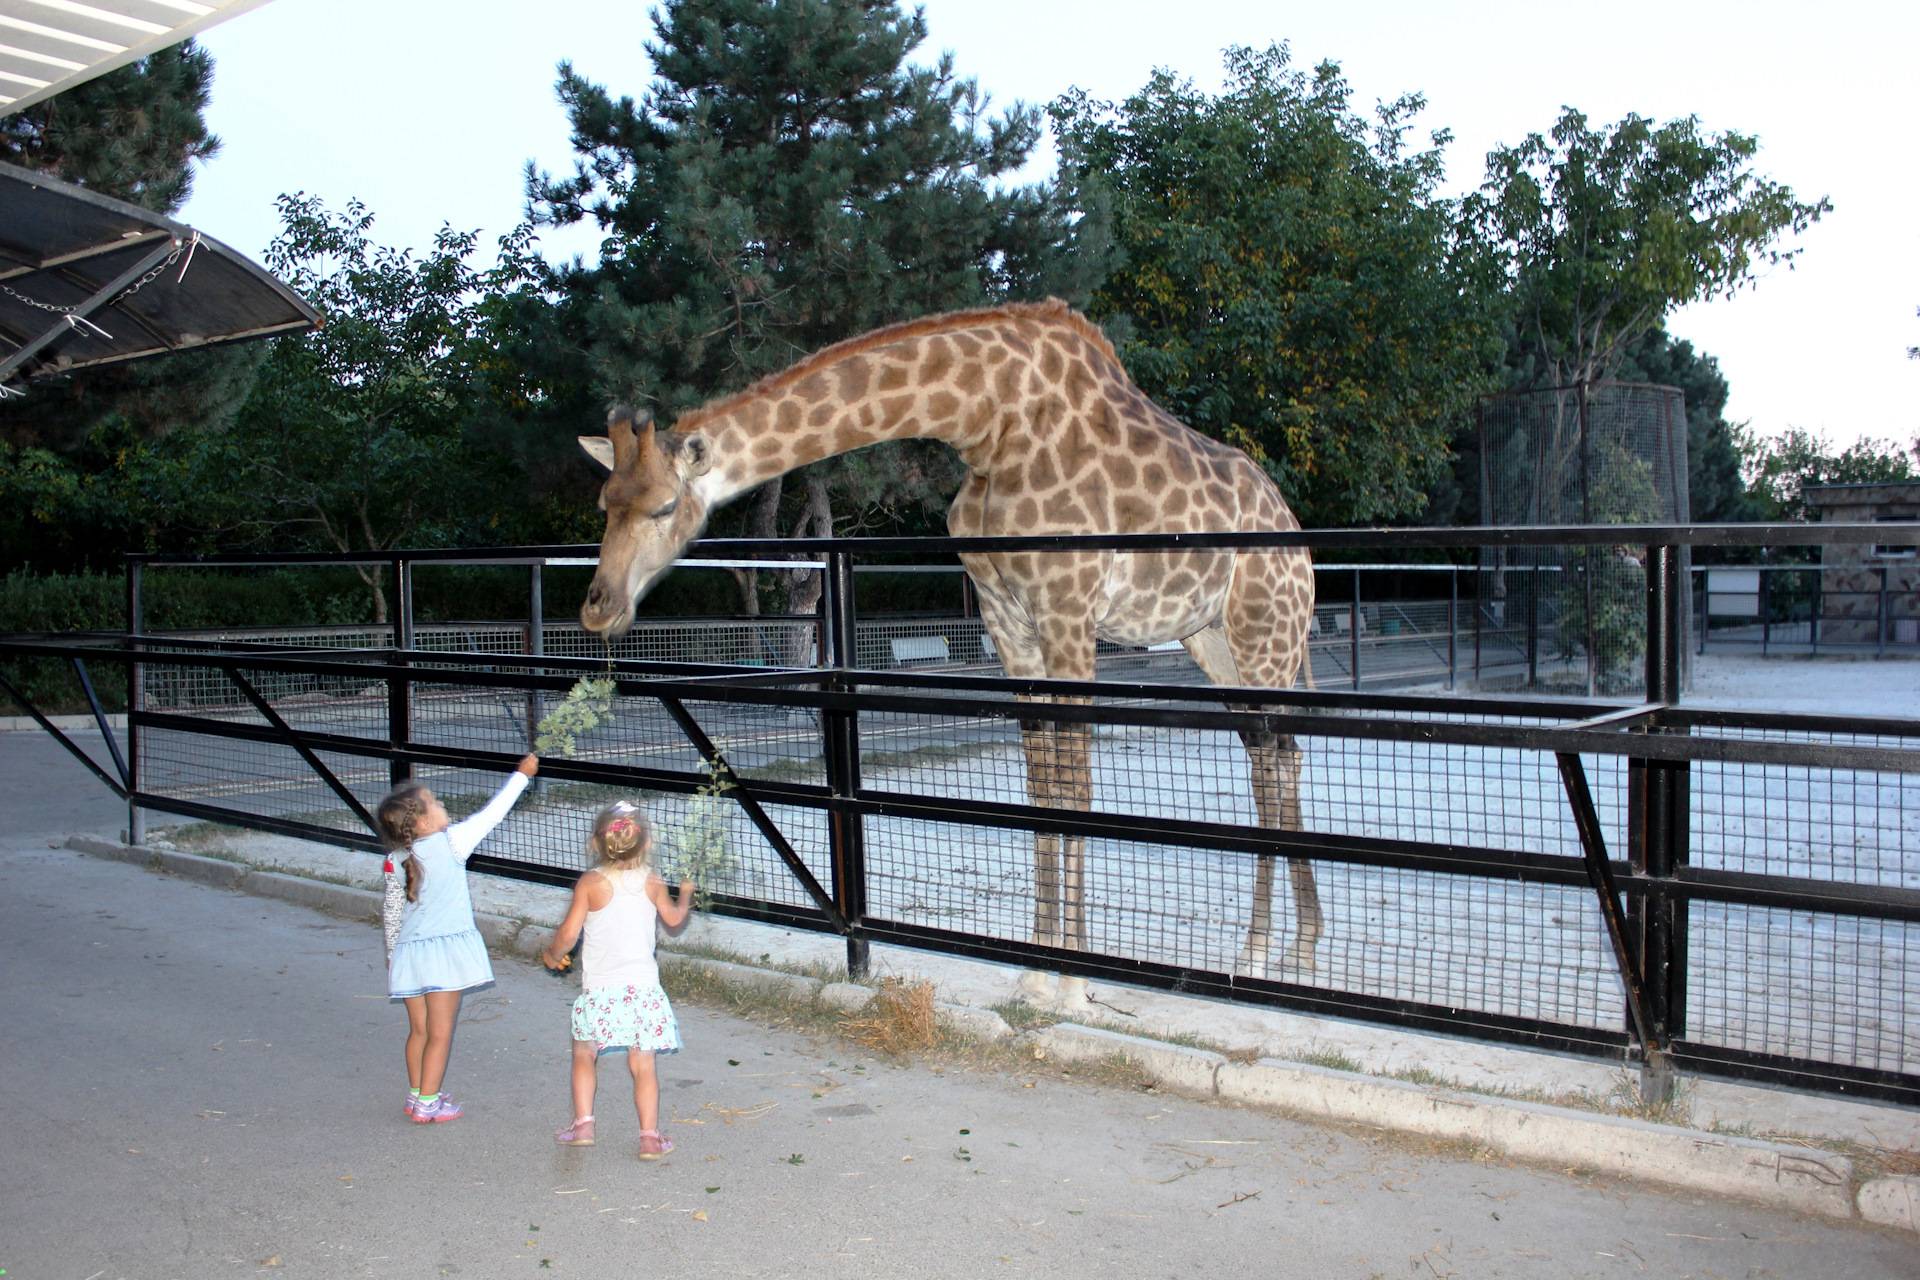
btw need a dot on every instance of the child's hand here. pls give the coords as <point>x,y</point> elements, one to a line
<point>529,765</point>
<point>559,964</point>
<point>686,891</point>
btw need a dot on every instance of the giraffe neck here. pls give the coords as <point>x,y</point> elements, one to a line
<point>949,384</point>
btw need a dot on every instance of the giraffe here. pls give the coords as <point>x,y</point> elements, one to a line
<point>1056,439</point>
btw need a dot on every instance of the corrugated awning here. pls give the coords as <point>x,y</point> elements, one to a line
<point>86,280</point>
<point>50,45</point>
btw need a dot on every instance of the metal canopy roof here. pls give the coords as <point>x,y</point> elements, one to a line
<point>50,45</point>
<point>86,280</point>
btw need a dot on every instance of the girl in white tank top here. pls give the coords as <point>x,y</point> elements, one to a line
<point>621,1005</point>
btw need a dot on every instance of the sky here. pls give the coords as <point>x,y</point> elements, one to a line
<point>428,111</point>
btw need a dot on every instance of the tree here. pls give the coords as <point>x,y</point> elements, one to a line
<point>1291,283</point>
<point>355,437</point>
<point>133,134</point>
<point>1779,469</point>
<point>789,180</point>
<point>1604,232</point>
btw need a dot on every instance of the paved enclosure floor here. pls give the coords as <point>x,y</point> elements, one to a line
<point>201,1083</point>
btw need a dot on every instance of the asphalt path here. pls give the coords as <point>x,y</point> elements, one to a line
<point>199,1083</point>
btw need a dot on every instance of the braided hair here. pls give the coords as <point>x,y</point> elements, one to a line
<point>398,815</point>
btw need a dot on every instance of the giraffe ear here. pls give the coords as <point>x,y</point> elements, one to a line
<point>699,456</point>
<point>599,448</point>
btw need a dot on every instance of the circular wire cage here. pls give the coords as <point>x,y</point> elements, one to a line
<point>1573,619</point>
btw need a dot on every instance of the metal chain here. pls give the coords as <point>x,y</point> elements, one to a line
<point>128,292</point>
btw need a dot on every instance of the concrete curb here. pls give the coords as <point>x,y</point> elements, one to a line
<point>1769,1173</point>
<point>1892,1202</point>
<point>66,724</point>
<point>1780,1176</point>
<point>1190,1071</point>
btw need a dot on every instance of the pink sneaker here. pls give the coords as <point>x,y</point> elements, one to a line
<point>577,1134</point>
<point>654,1144</point>
<point>413,1100</point>
<point>439,1111</point>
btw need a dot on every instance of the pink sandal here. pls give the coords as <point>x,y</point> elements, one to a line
<point>654,1144</point>
<point>577,1134</point>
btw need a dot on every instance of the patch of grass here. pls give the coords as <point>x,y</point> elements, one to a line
<point>898,1020</point>
<point>1331,1059</point>
<point>1022,1016</point>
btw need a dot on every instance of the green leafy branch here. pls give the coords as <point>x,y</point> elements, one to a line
<point>587,705</point>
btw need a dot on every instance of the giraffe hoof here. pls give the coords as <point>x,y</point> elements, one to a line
<point>1251,965</point>
<point>1301,960</point>
<point>1035,987</point>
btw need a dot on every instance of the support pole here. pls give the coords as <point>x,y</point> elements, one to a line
<point>136,703</point>
<point>1658,841</point>
<point>846,833</point>
<point>400,688</point>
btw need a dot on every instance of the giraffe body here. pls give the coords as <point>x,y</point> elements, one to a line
<point>1056,439</point>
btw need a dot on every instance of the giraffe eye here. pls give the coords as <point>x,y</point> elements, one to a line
<point>665,511</point>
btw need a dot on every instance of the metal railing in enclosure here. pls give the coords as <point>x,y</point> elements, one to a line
<point>1861,608</point>
<point>1736,892</point>
<point>1367,640</point>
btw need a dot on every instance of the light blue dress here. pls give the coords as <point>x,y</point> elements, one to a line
<point>438,948</point>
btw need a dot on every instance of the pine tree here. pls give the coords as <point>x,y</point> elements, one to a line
<point>133,134</point>
<point>789,179</point>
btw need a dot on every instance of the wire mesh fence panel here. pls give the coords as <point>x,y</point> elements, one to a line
<point>267,779</point>
<point>1464,943</point>
<point>1810,985</point>
<point>775,642</point>
<point>1814,823</point>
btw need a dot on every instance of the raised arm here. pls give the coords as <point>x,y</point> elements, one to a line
<point>467,834</point>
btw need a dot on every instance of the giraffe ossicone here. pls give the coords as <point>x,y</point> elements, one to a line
<point>1056,439</point>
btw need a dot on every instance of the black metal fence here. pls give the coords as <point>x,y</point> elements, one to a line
<point>1736,892</point>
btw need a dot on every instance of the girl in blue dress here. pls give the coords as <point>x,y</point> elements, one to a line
<point>438,952</point>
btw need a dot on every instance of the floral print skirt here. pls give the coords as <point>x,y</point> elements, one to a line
<point>613,1018</point>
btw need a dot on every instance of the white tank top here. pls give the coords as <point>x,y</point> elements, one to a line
<point>619,947</point>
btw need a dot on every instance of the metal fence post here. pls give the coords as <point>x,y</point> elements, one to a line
<point>1766,611</point>
<point>1813,615</point>
<point>136,703</point>
<point>1353,629</point>
<point>845,833</point>
<point>1453,625</point>
<point>1882,651</point>
<point>1658,839</point>
<point>1533,626</point>
<point>400,688</point>
<point>536,641</point>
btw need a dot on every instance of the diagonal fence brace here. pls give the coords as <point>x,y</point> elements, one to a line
<point>1593,847</point>
<point>100,718</point>
<point>114,786</point>
<point>742,793</point>
<point>293,739</point>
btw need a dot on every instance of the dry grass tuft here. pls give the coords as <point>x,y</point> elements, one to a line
<point>898,1020</point>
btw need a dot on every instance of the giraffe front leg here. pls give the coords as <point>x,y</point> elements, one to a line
<point>1301,952</point>
<point>1254,952</point>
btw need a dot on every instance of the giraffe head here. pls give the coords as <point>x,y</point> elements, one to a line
<point>653,510</point>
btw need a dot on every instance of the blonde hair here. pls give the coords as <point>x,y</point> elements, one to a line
<point>622,837</point>
<point>398,815</point>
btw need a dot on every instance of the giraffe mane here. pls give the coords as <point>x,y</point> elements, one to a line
<point>1053,311</point>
